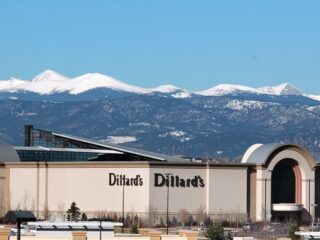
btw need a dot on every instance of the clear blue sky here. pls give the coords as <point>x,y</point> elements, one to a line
<point>191,44</point>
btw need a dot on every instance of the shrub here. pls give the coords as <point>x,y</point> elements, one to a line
<point>294,228</point>
<point>215,232</point>
<point>73,212</point>
<point>134,230</point>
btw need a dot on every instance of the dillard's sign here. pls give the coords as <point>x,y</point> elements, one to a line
<point>122,180</point>
<point>160,180</point>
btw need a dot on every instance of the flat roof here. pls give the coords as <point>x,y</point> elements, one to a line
<point>143,153</point>
<point>82,150</point>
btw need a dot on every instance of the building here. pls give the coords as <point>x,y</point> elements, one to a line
<point>273,181</point>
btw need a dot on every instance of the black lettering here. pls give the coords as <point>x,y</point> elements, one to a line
<point>123,180</point>
<point>112,179</point>
<point>159,180</point>
<point>201,182</point>
<point>182,183</point>
<point>127,182</point>
<point>172,181</point>
<point>188,182</point>
<point>136,180</point>
<point>140,182</point>
<point>177,181</point>
<point>194,182</point>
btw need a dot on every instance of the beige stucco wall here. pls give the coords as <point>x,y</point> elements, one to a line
<point>218,189</point>
<point>88,186</point>
<point>228,191</point>
<point>23,188</point>
<point>189,198</point>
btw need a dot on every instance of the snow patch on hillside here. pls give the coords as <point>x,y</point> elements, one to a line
<point>224,89</point>
<point>181,135</point>
<point>120,139</point>
<point>247,104</point>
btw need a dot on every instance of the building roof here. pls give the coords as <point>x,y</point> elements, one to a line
<point>260,153</point>
<point>53,149</point>
<point>8,153</point>
<point>129,150</point>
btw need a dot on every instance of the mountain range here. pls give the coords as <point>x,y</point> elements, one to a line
<point>92,86</point>
<point>220,122</point>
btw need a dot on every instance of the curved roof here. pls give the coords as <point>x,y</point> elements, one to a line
<point>8,153</point>
<point>260,153</point>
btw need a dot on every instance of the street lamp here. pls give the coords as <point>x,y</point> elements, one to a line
<point>122,207</point>
<point>168,186</point>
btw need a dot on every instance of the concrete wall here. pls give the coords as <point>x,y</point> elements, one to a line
<point>192,188</point>
<point>190,198</point>
<point>228,191</point>
<point>56,186</point>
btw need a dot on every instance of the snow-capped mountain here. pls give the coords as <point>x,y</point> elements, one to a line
<point>221,122</point>
<point>50,82</point>
<point>282,89</point>
<point>51,85</point>
<point>225,89</point>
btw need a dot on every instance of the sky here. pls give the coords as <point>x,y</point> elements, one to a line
<point>190,44</point>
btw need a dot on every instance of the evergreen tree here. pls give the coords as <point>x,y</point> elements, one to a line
<point>190,221</point>
<point>161,222</point>
<point>174,221</point>
<point>84,217</point>
<point>294,228</point>
<point>215,232</point>
<point>73,213</point>
<point>127,221</point>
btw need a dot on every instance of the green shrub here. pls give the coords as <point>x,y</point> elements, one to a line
<point>134,230</point>
<point>215,232</point>
<point>294,228</point>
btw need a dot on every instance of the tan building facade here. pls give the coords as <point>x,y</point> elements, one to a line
<point>101,187</point>
<point>273,182</point>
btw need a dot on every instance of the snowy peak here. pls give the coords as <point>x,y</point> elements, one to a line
<point>282,89</point>
<point>168,88</point>
<point>51,82</point>
<point>91,81</point>
<point>50,75</point>
<point>9,85</point>
<point>224,89</point>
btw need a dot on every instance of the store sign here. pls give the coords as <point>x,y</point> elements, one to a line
<point>160,180</point>
<point>122,180</point>
<point>163,180</point>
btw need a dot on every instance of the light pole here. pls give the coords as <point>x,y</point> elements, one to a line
<point>122,207</point>
<point>168,186</point>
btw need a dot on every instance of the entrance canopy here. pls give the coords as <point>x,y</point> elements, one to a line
<point>19,216</point>
<point>262,154</point>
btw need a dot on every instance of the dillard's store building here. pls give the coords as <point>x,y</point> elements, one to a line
<point>273,181</point>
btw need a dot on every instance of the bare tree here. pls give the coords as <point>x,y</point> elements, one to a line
<point>102,214</point>
<point>33,205</point>
<point>61,210</point>
<point>46,212</point>
<point>153,216</point>
<point>201,214</point>
<point>183,216</point>
<point>25,200</point>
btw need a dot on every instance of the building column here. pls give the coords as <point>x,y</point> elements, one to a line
<point>263,197</point>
